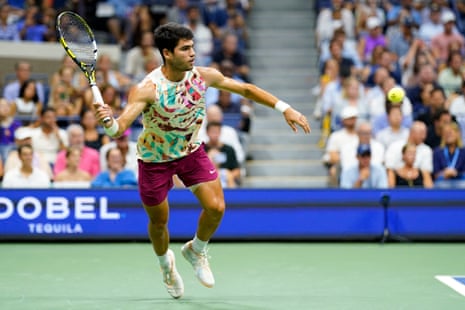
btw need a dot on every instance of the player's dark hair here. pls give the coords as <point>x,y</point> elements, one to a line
<point>168,35</point>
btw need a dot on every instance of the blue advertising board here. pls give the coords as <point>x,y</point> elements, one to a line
<point>251,214</point>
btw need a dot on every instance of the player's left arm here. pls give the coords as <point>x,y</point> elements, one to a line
<point>216,79</point>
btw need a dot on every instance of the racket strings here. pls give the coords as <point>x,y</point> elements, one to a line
<point>78,39</point>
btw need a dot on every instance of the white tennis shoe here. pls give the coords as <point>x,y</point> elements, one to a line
<point>200,263</point>
<point>171,278</point>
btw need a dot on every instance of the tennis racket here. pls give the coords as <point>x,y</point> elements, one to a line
<point>78,40</point>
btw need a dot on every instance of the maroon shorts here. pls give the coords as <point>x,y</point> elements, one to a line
<point>156,179</point>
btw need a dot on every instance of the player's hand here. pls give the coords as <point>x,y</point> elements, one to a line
<point>294,118</point>
<point>103,111</point>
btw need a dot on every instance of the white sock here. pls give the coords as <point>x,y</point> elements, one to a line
<point>164,260</point>
<point>198,245</point>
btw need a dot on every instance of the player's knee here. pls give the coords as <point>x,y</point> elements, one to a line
<point>158,224</point>
<point>157,229</point>
<point>216,208</point>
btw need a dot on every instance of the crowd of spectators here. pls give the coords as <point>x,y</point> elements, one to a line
<point>368,47</point>
<point>48,133</point>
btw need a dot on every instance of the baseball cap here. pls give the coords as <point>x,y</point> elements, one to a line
<point>349,112</point>
<point>22,133</point>
<point>373,22</point>
<point>447,17</point>
<point>363,149</point>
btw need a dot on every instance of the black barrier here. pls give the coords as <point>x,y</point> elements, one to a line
<point>252,214</point>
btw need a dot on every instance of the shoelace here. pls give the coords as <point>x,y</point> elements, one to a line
<point>203,258</point>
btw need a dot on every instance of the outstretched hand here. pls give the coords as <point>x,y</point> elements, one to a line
<point>294,118</point>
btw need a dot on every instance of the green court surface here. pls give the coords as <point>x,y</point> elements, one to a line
<point>249,276</point>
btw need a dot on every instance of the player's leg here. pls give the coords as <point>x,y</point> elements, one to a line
<point>154,183</point>
<point>158,226</point>
<point>210,196</point>
<point>198,173</point>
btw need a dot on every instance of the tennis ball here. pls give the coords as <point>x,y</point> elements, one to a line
<point>396,94</point>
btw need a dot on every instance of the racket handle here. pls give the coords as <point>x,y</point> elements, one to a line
<point>98,98</point>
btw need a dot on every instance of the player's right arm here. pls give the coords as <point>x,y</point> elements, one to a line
<point>139,96</point>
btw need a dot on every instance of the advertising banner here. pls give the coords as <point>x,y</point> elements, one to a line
<point>251,214</point>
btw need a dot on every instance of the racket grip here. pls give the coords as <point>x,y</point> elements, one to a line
<point>98,98</point>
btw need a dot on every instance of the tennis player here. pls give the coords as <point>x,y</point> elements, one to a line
<point>171,100</point>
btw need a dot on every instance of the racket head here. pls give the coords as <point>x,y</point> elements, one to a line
<point>78,40</point>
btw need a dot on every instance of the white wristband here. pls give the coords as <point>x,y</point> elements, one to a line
<point>113,129</point>
<point>281,106</point>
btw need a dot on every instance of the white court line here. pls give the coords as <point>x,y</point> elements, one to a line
<point>452,283</point>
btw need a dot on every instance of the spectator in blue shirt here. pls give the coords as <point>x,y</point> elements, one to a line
<point>8,31</point>
<point>364,174</point>
<point>449,158</point>
<point>31,27</point>
<point>23,71</point>
<point>404,39</point>
<point>116,175</point>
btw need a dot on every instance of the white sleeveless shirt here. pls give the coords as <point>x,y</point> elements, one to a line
<point>172,121</point>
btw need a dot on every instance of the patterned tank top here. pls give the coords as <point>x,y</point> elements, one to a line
<point>172,122</point>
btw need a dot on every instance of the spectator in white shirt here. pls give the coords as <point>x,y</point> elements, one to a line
<point>26,176</point>
<point>379,76</point>
<point>333,18</point>
<point>203,37</point>
<point>364,136</point>
<point>337,140</point>
<point>137,55</point>
<point>395,131</point>
<point>432,27</point>
<point>48,138</point>
<point>23,136</point>
<point>379,104</point>
<point>457,109</point>
<point>424,154</point>
<point>228,135</point>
